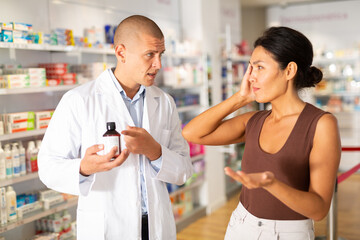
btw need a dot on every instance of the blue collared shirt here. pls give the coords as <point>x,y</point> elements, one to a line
<point>135,107</point>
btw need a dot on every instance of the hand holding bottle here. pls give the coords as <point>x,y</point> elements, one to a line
<point>93,163</point>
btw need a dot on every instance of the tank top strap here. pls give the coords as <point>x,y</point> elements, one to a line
<point>304,131</point>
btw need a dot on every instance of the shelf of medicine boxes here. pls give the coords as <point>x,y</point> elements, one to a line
<point>6,91</point>
<point>188,56</point>
<point>25,134</point>
<point>231,81</point>
<point>55,48</point>
<point>341,76</point>
<point>194,184</point>
<point>31,217</point>
<point>188,218</point>
<point>233,155</point>
<point>188,108</point>
<point>179,87</point>
<point>198,210</point>
<point>11,181</point>
<point>38,132</point>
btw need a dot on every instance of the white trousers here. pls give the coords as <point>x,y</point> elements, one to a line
<point>245,226</point>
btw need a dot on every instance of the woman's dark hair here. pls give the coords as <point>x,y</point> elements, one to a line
<point>288,45</point>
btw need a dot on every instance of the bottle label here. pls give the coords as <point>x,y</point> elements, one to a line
<point>110,142</point>
<point>16,170</point>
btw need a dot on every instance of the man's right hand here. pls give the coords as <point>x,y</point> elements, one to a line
<point>93,163</point>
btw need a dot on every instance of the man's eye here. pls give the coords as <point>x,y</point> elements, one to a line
<point>149,54</point>
<point>260,67</point>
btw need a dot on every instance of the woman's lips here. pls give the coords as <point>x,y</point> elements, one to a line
<point>255,89</point>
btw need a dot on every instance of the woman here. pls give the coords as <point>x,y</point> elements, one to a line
<point>292,152</point>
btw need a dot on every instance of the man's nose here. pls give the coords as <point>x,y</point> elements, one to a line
<point>157,63</point>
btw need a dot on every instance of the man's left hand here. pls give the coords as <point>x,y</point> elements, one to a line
<point>139,141</point>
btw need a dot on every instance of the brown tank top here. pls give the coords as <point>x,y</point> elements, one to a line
<point>290,164</point>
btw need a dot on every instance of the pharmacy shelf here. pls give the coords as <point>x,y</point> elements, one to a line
<point>197,157</point>
<point>183,56</point>
<point>240,58</point>
<point>25,134</point>
<point>342,93</point>
<point>5,91</point>
<point>196,184</point>
<point>179,87</point>
<point>31,217</point>
<point>11,181</point>
<point>188,218</point>
<point>55,48</point>
<point>330,60</point>
<point>234,188</point>
<point>188,108</point>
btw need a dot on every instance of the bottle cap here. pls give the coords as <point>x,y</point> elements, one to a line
<point>110,126</point>
<point>31,144</point>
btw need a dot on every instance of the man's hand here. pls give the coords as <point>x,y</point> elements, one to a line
<point>92,163</point>
<point>139,141</point>
<point>252,180</point>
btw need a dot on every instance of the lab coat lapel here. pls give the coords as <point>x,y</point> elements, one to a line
<point>113,98</point>
<point>150,106</point>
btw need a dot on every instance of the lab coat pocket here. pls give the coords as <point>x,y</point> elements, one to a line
<point>90,225</point>
<point>165,137</point>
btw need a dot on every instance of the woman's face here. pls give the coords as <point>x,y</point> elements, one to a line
<point>268,81</point>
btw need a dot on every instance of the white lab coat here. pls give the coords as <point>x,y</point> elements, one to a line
<point>109,205</point>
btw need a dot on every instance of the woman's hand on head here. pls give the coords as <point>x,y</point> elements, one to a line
<point>245,87</point>
<point>252,180</point>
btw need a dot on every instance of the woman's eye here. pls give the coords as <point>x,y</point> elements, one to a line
<point>260,67</point>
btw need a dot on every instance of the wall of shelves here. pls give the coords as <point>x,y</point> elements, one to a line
<point>339,93</point>
<point>184,79</point>
<point>31,217</point>
<point>29,99</point>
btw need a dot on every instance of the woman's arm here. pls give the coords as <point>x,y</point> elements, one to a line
<point>210,128</point>
<point>324,163</point>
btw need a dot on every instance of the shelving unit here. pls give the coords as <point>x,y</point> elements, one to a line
<point>189,108</point>
<point>28,54</point>
<point>53,95</point>
<point>193,185</point>
<point>5,91</point>
<point>198,212</point>
<point>186,113</point>
<point>19,135</point>
<point>340,88</point>
<point>197,157</point>
<point>339,93</point>
<point>55,48</point>
<point>31,217</point>
<point>11,181</point>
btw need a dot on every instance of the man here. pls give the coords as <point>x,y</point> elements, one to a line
<point>125,198</point>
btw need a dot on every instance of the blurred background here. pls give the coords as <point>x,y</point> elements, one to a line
<point>48,47</point>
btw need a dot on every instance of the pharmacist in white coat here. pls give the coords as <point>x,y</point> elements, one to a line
<point>125,198</point>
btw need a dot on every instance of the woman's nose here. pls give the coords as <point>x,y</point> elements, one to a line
<point>252,78</point>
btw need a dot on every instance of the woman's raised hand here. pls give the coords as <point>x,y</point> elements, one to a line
<point>245,87</point>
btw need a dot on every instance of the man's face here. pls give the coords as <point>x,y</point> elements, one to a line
<point>143,59</point>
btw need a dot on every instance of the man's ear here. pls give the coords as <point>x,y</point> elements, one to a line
<point>120,53</point>
<point>291,70</point>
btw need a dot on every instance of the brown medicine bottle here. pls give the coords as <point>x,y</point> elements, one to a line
<point>111,138</point>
